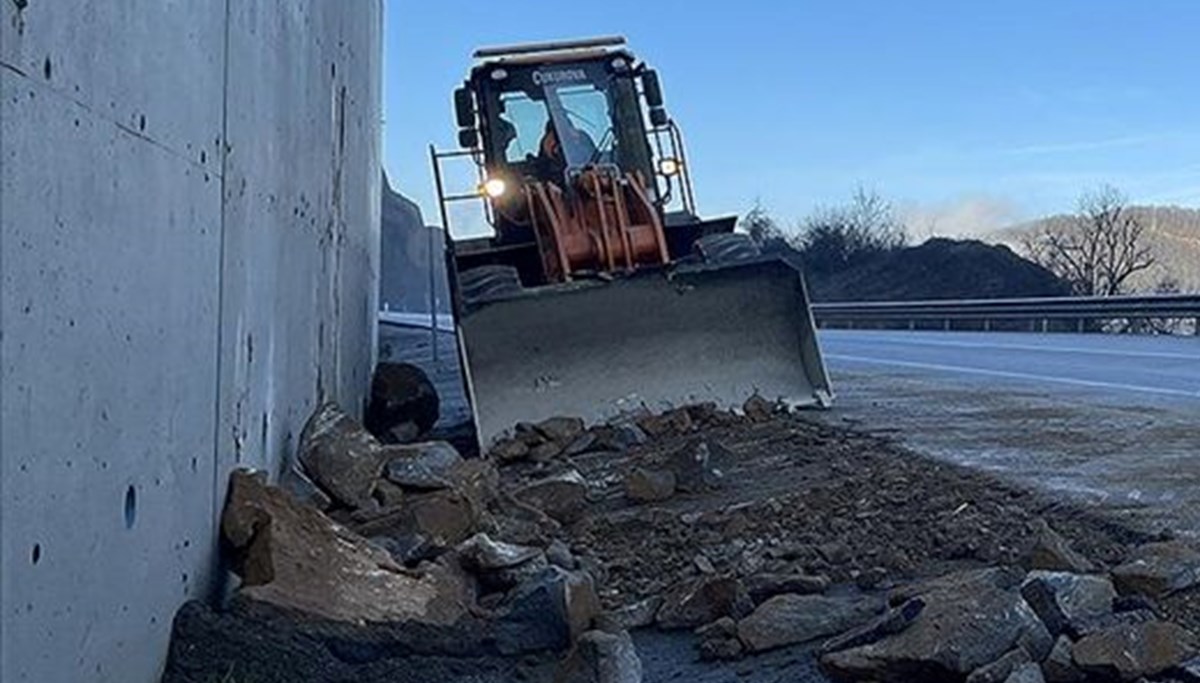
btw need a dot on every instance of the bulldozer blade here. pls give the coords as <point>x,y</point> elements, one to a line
<point>690,334</point>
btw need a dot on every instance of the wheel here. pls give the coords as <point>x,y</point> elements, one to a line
<point>488,281</point>
<point>727,248</point>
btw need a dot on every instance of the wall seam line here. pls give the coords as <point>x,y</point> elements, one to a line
<point>224,151</point>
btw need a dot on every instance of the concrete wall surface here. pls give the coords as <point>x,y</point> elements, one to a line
<point>189,258</point>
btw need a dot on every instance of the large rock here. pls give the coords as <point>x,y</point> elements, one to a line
<point>763,586</point>
<point>1068,603</point>
<point>649,486</point>
<point>340,456</point>
<point>701,601</point>
<point>499,565</point>
<point>891,622</point>
<point>789,619</point>
<point>442,519</point>
<point>425,466</point>
<point>547,612</point>
<point>292,556</point>
<point>403,403</point>
<point>970,619</point>
<point>563,497</point>
<point>1052,552</point>
<point>1158,569</point>
<point>1128,652</point>
<point>601,657</point>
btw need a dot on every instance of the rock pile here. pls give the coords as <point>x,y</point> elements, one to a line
<point>754,530</point>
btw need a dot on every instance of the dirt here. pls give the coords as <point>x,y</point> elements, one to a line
<point>800,495</point>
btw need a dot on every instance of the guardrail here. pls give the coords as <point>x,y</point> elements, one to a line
<point>1079,314</point>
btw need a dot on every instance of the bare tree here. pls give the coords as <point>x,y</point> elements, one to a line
<point>841,236</point>
<point>759,225</point>
<point>1098,249</point>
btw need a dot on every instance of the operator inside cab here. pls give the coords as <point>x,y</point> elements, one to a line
<point>552,159</point>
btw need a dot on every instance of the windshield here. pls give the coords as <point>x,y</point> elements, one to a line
<point>552,126</point>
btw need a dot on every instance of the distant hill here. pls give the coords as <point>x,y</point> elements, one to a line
<point>1172,232</point>
<point>938,269</point>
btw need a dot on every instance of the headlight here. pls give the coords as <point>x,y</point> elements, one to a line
<point>495,188</point>
<point>668,167</point>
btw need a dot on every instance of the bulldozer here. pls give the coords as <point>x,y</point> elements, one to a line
<point>596,289</point>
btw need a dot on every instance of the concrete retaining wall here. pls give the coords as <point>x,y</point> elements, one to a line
<point>189,230</point>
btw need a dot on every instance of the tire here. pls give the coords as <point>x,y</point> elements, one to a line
<point>728,247</point>
<point>488,281</point>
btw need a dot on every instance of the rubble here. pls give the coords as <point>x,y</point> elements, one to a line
<point>788,619</point>
<point>1052,552</point>
<point>649,486</point>
<point>340,456</point>
<point>422,466</point>
<point>1158,569</point>
<point>701,601</point>
<point>1128,652</point>
<point>563,497</point>
<point>292,556</point>
<point>602,657</point>
<point>760,533</point>
<point>1068,603</point>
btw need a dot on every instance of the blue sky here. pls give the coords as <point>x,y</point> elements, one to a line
<point>968,115</point>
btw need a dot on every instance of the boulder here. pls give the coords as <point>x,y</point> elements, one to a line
<point>563,497</point>
<point>970,619</point>
<point>340,456</point>
<point>649,486</point>
<point>789,619</point>
<point>1128,652</point>
<point>703,600</point>
<point>440,518</point>
<point>424,466</point>
<point>560,555</point>
<point>719,640</point>
<point>1059,666</point>
<point>601,657</point>
<point>549,611</point>
<point>388,495</point>
<point>292,556</point>
<point>999,670</point>
<point>561,430</point>
<point>632,616</point>
<point>1029,672</point>
<point>1052,552</point>
<point>403,403</point>
<point>1158,570</point>
<point>623,436</point>
<point>768,585</point>
<point>1066,602</point>
<point>584,443</point>
<point>694,466</point>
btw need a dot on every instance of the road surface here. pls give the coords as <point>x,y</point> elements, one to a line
<point>1108,420</point>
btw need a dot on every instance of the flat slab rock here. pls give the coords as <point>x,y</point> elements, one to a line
<point>294,557</point>
<point>970,619</point>
<point>789,619</point>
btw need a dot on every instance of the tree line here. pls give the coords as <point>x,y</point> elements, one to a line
<point>1096,250</point>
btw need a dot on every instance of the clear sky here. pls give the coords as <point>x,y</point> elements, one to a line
<point>967,114</point>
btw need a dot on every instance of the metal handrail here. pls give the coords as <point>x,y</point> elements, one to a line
<point>1138,306</point>
<point>1076,310</point>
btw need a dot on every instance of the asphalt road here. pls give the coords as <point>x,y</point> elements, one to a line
<point>1112,421</point>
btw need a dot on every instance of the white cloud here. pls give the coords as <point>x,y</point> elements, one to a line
<point>972,216</point>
